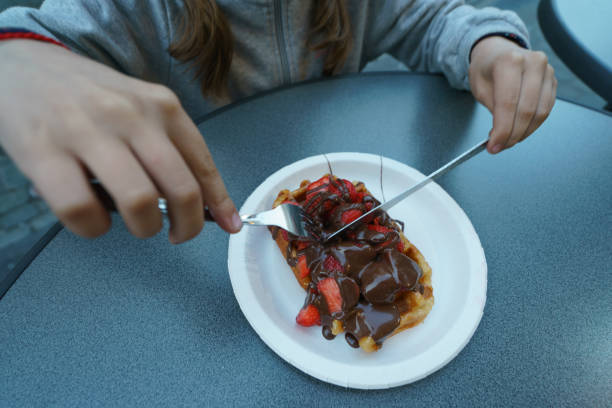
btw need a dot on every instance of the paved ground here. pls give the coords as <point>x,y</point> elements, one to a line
<point>24,218</point>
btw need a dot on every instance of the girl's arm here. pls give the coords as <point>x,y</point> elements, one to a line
<point>483,50</point>
<point>66,116</point>
<point>130,36</point>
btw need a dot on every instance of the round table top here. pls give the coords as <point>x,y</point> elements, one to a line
<point>120,321</point>
<point>580,34</point>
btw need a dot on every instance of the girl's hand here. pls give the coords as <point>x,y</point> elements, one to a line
<point>518,87</point>
<point>65,118</point>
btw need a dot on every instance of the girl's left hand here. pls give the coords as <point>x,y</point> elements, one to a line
<point>518,87</point>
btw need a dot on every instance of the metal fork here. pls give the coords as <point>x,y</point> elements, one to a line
<point>289,217</point>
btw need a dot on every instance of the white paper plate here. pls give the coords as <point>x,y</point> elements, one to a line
<point>270,296</point>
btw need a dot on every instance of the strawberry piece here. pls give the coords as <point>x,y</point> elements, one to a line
<point>302,245</point>
<point>303,267</point>
<point>379,228</point>
<point>284,234</point>
<point>353,195</point>
<point>308,316</point>
<point>328,206</point>
<point>319,184</point>
<point>312,205</point>
<point>331,264</point>
<point>350,215</point>
<point>330,290</point>
<point>358,197</point>
<point>383,230</point>
<point>400,247</point>
<point>332,186</point>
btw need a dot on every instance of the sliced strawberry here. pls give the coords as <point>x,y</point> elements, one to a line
<point>379,228</point>
<point>308,316</point>
<point>331,264</point>
<point>313,203</point>
<point>321,184</point>
<point>353,195</point>
<point>350,215</point>
<point>328,206</point>
<point>330,290</point>
<point>284,234</point>
<point>358,197</point>
<point>333,186</point>
<point>369,205</point>
<point>303,267</point>
<point>302,245</point>
<point>383,230</point>
<point>336,186</point>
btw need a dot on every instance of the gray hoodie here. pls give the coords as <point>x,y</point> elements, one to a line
<point>133,36</point>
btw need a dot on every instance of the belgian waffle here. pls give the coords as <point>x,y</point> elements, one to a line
<point>371,283</point>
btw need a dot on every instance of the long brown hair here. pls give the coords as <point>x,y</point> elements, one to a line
<point>206,40</point>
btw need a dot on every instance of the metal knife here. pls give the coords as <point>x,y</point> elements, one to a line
<point>441,171</point>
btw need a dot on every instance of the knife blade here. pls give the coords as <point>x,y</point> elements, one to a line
<point>441,171</point>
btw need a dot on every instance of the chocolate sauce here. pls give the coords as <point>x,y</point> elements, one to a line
<point>382,280</point>
<point>327,333</point>
<point>353,256</point>
<point>351,340</point>
<point>349,291</point>
<point>370,271</point>
<point>377,321</point>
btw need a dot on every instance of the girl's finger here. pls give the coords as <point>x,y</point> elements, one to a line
<point>60,180</point>
<point>174,180</point>
<point>190,143</point>
<point>531,89</point>
<point>507,77</point>
<point>547,100</point>
<point>123,177</point>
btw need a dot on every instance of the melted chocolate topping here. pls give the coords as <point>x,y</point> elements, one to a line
<point>383,279</point>
<point>370,271</point>
<point>373,320</point>
<point>327,333</point>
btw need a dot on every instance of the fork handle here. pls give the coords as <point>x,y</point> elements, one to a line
<point>253,219</point>
<point>108,202</point>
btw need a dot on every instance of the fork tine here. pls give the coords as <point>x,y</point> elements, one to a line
<point>309,226</point>
<point>289,217</point>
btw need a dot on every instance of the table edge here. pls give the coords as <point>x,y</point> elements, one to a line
<point>26,260</point>
<point>200,119</point>
<point>556,32</point>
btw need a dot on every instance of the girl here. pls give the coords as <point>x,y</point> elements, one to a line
<point>109,88</point>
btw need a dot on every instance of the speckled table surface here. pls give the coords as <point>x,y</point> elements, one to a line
<point>119,321</point>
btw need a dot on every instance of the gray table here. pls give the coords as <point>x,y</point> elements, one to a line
<point>120,321</point>
<point>580,32</point>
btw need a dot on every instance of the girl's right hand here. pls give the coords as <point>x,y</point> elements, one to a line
<point>65,118</point>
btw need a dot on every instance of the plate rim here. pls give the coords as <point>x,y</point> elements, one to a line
<point>473,310</point>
